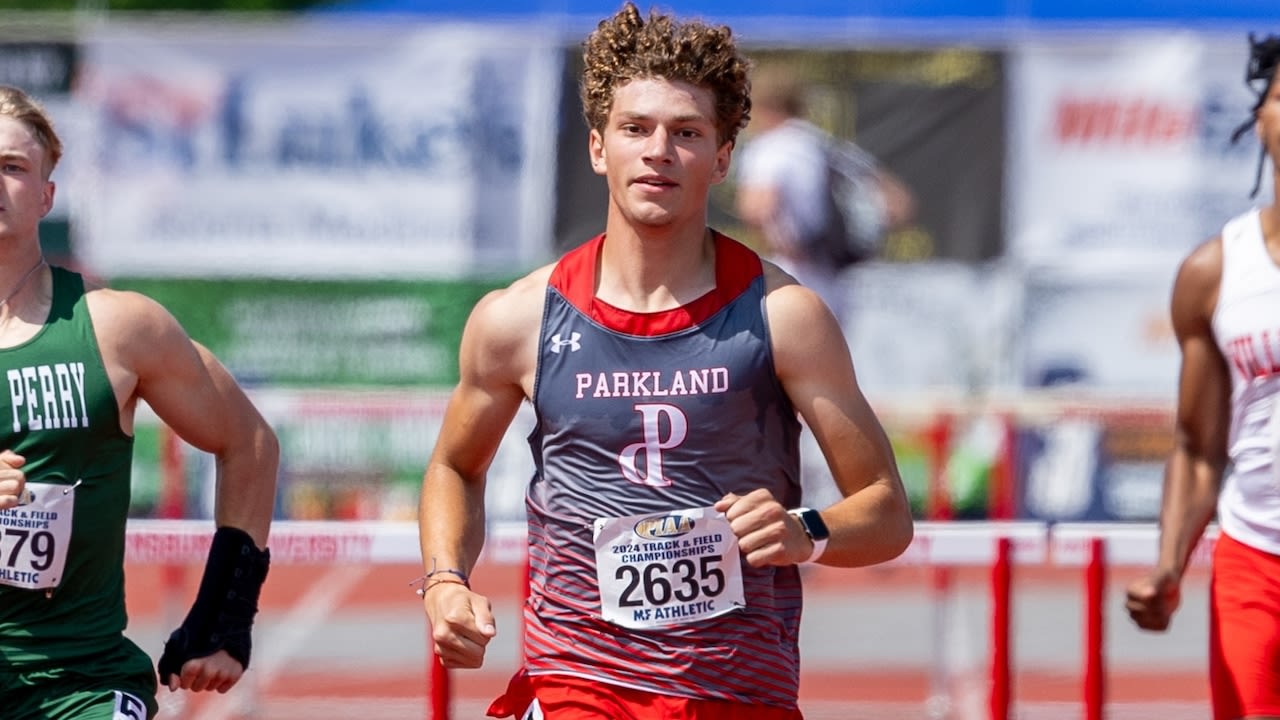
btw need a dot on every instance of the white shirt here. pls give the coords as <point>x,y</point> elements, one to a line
<point>790,160</point>
<point>1246,324</point>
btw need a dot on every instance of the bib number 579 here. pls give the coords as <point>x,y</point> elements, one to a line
<point>39,546</point>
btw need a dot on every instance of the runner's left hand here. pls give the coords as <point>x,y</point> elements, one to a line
<point>767,535</point>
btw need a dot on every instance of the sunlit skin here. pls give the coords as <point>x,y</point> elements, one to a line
<point>26,196</point>
<point>661,154</point>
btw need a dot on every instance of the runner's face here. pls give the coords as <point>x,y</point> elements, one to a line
<point>659,151</point>
<point>25,196</point>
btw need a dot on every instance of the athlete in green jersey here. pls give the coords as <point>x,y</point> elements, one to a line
<point>76,360</point>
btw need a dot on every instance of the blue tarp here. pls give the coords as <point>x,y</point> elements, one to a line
<point>1264,13</point>
<point>860,22</point>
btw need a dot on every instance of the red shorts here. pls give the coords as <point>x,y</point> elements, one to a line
<point>1244,631</point>
<point>564,697</point>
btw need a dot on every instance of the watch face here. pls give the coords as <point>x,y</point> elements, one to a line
<point>813,524</point>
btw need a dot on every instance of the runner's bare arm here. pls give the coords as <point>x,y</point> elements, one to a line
<point>149,357</point>
<point>496,364</point>
<point>1195,469</point>
<point>873,522</point>
<point>1193,474</point>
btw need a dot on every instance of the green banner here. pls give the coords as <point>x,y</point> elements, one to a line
<point>308,333</point>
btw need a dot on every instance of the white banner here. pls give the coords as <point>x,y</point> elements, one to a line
<point>926,326</point>
<point>314,150</point>
<point>1105,330</point>
<point>1120,145</point>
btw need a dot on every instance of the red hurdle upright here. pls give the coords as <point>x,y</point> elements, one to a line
<point>1001,617</point>
<point>1095,596</point>
<point>441,694</point>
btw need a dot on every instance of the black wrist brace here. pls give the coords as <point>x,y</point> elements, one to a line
<point>222,616</point>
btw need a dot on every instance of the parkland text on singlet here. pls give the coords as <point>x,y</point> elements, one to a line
<point>634,383</point>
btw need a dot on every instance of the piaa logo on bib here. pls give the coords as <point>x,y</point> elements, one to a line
<point>660,527</point>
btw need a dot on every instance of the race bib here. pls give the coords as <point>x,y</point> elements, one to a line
<point>34,537</point>
<point>667,569</point>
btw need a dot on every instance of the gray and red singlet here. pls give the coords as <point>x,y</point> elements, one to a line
<point>643,421</point>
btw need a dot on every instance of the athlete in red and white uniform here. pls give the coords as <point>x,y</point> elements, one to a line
<point>1226,313</point>
<point>669,369</point>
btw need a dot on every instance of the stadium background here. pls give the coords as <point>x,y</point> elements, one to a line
<point>320,195</point>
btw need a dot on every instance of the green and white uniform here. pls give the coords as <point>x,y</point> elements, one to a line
<point>63,653</point>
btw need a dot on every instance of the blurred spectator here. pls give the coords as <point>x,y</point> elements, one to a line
<point>784,185</point>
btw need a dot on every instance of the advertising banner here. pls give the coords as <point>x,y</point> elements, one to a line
<point>1100,465</point>
<point>1120,145</point>
<point>300,151</point>
<point>344,454</point>
<point>929,326</point>
<point>324,333</point>
<point>1107,331</point>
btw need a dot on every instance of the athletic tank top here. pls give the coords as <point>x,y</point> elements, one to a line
<point>61,556</point>
<point>643,415</point>
<point>1246,324</point>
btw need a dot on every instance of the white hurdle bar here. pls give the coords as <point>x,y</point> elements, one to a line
<point>997,546</point>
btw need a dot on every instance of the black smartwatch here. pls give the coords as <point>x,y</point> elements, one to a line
<point>815,528</point>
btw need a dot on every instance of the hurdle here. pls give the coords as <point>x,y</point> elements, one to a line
<point>998,547</point>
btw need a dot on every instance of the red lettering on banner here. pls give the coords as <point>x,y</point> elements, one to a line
<point>1136,121</point>
<point>307,549</point>
<point>160,548</point>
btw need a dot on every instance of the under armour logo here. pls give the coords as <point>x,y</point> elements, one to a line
<point>572,342</point>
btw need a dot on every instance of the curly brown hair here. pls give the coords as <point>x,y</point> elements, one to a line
<point>626,47</point>
<point>20,106</point>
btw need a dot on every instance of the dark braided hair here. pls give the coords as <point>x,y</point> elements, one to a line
<point>1264,58</point>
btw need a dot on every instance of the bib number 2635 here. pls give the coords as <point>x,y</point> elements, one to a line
<point>667,569</point>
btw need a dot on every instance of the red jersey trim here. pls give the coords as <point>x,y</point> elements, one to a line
<point>737,266</point>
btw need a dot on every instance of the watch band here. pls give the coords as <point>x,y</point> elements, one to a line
<point>815,528</point>
<point>819,547</point>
